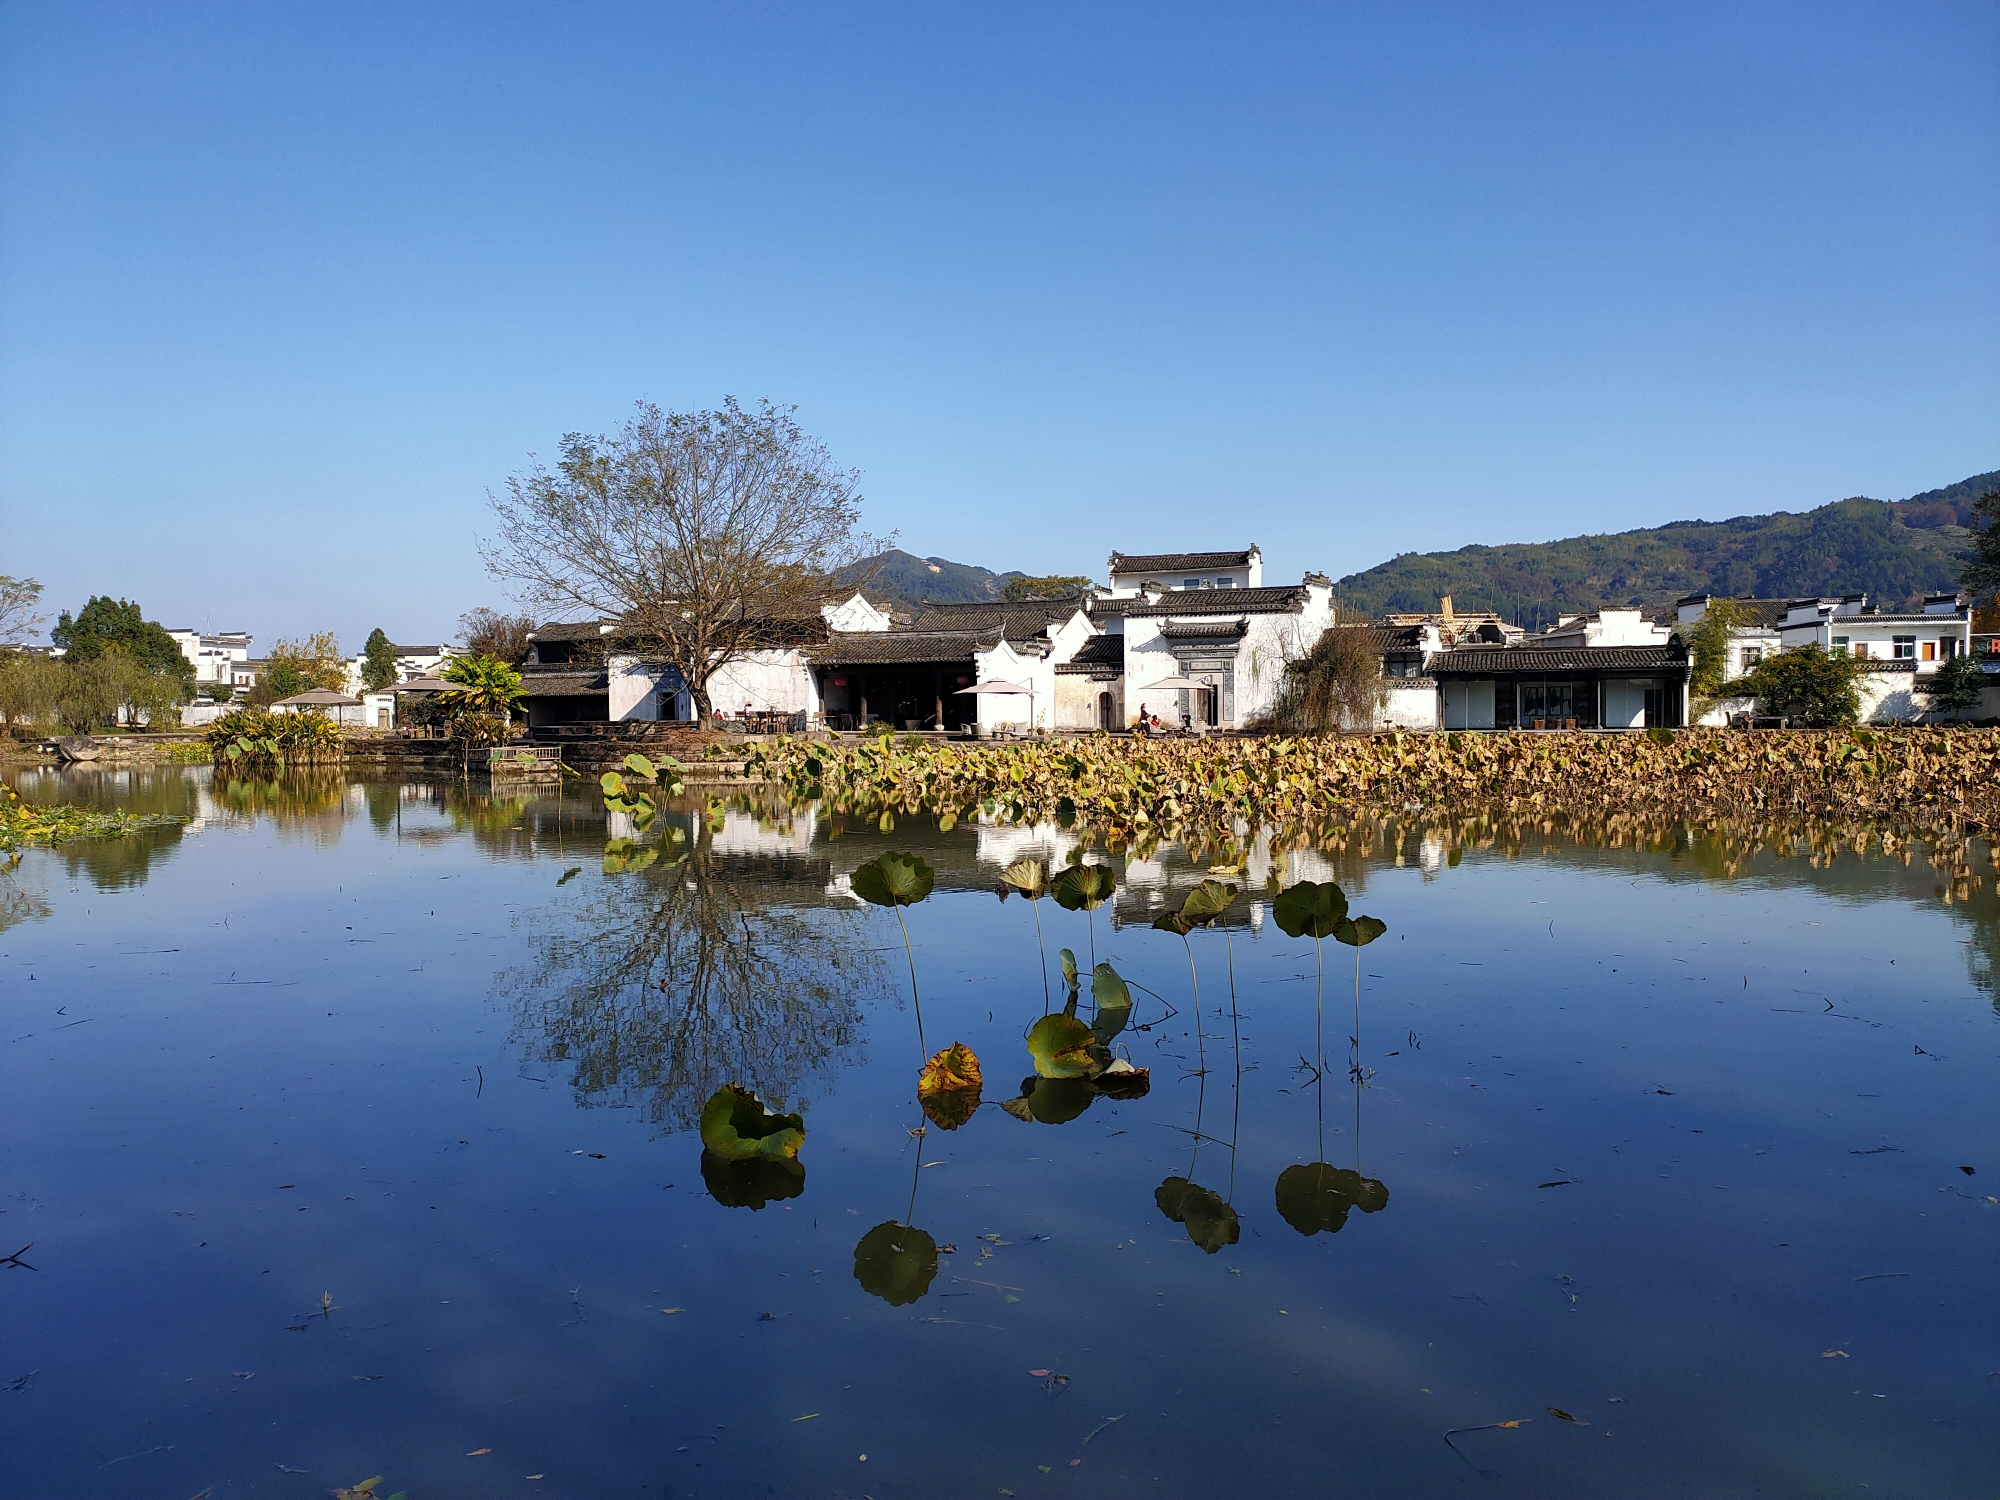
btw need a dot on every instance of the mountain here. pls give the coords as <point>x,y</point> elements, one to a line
<point>1893,550</point>
<point>909,580</point>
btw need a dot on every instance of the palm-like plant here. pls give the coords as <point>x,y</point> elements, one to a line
<point>486,685</point>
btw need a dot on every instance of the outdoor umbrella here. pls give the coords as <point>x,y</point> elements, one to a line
<point>996,685</point>
<point>321,698</point>
<point>1180,684</point>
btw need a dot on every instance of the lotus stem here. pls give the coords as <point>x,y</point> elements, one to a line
<point>915,1003</point>
<point>1035,906</point>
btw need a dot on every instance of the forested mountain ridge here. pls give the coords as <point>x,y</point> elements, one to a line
<point>909,580</point>
<point>1895,551</point>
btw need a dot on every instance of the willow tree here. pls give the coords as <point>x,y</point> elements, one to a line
<point>701,534</point>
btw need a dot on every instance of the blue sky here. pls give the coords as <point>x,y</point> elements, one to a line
<point>286,289</point>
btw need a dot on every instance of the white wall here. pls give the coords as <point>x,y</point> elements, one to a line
<point>1467,705</point>
<point>1411,705</point>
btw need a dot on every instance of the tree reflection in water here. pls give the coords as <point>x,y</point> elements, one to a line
<point>664,984</point>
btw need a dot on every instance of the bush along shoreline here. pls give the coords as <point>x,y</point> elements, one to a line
<point>247,737</point>
<point>1130,789</point>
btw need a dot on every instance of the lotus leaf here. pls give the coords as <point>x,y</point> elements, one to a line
<point>1114,1003</point>
<point>1120,1080</point>
<point>753,1183</point>
<point>1028,876</point>
<point>948,1087</point>
<point>1068,961</point>
<point>1317,1197</point>
<point>1310,909</point>
<point>1060,1047</point>
<point>896,1263</point>
<point>894,880</point>
<point>613,784</point>
<point>1084,887</point>
<point>1051,1101</point>
<point>737,1127</point>
<point>1360,932</point>
<point>641,767</point>
<point>1211,1223</point>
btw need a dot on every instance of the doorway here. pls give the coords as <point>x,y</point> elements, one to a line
<point>1105,714</point>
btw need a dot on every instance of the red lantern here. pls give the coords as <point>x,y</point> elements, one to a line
<point>840,682</point>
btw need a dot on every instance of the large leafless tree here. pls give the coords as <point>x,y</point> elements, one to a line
<point>701,533</point>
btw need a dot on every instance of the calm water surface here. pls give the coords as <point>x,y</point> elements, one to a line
<point>354,1135</point>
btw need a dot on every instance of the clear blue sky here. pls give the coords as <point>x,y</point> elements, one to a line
<point>285,289</point>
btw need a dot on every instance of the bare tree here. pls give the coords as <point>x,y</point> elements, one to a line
<point>489,632</point>
<point>17,609</point>
<point>1337,687</point>
<point>698,532</point>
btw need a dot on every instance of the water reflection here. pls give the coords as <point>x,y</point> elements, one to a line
<point>658,986</point>
<point>895,1260</point>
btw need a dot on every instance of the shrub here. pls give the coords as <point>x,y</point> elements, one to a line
<point>1808,684</point>
<point>256,734</point>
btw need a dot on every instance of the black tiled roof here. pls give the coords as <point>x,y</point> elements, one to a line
<point>1020,619</point>
<point>1204,630</point>
<point>1211,602</point>
<point>1543,661</point>
<point>863,648</point>
<point>1100,656</point>
<point>564,684</point>
<point>1178,562</point>
<point>1382,639</point>
<point>558,630</point>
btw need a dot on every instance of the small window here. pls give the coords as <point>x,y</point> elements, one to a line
<point>1751,656</point>
<point>1840,646</point>
<point>1905,647</point>
<point>1225,583</point>
<point>1190,583</point>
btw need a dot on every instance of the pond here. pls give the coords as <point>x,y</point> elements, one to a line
<point>352,1130</point>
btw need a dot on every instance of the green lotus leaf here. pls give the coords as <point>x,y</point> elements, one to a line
<point>1310,909</point>
<point>1211,1223</point>
<point>736,1127</point>
<point>1114,1003</point>
<point>1051,1101</point>
<point>1068,961</point>
<point>1206,902</point>
<point>1028,876</point>
<point>613,784</point>
<point>1084,887</point>
<point>1174,922</point>
<point>1360,932</point>
<point>1316,1198</point>
<point>641,767</point>
<point>643,813</point>
<point>894,880</point>
<point>753,1183</point>
<point>1065,811</point>
<point>1060,1047</point>
<point>896,1263</point>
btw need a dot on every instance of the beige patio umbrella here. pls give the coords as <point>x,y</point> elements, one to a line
<point>997,685</point>
<point>321,698</point>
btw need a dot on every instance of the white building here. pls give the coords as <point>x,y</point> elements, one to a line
<point>412,662</point>
<point>215,654</point>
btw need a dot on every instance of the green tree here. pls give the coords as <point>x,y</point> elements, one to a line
<point>1982,563</point>
<point>1049,586</point>
<point>378,661</point>
<point>295,666</point>
<point>29,686</point>
<point>1956,686</point>
<point>106,625</point>
<point>1808,684</point>
<point>1708,647</point>
<point>486,685</point>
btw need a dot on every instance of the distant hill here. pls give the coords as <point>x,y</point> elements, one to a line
<point>1894,551</point>
<point>909,580</point>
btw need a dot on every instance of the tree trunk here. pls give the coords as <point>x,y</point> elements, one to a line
<point>704,711</point>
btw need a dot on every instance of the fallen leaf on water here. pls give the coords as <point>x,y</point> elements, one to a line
<point>597,1156</point>
<point>948,1087</point>
<point>807,1417</point>
<point>1834,1354</point>
<point>670,1311</point>
<point>534,1476</point>
<point>1562,1416</point>
<point>477,1451</point>
<point>1044,1468</point>
<point>244,1374</point>
<point>1039,1374</point>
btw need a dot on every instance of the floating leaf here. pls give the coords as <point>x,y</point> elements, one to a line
<point>1028,876</point>
<point>1202,905</point>
<point>948,1087</point>
<point>753,1183</point>
<point>1211,1223</point>
<point>1120,1080</point>
<point>1051,1101</point>
<point>570,874</point>
<point>1084,887</point>
<point>1060,1047</point>
<point>1310,909</point>
<point>894,880</point>
<point>1114,1003</point>
<point>737,1127</point>
<point>1068,961</point>
<point>896,1263</point>
<point>1316,1198</point>
<point>1360,932</point>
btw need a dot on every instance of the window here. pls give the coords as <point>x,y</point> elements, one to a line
<point>1225,583</point>
<point>1905,647</point>
<point>1190,583</point>
<point>1751,656</point>
<point>1840,646</point>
